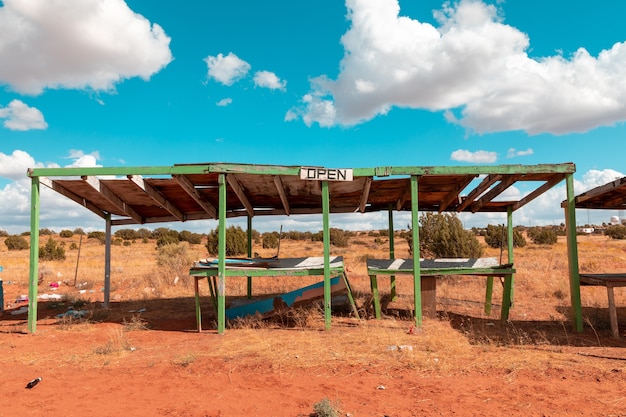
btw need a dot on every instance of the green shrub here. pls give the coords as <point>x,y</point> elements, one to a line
<point>51,251</point>
<point>543,236</point>
<point>192,238</point>
<point>270,240</point>
<point>443,236</point>
<point>167,239</point>
<point>16,243</point>
<point>127,234</point>
<point>616,232</point>
<point>45,232</point>
<point>494,237</point>
<point>100,236</point>
<point>174,261</point>
<point>339,237</point>
<point>326,408</point>
<point>3,233</point>
<point>66,233</point>
<point>236,241</point>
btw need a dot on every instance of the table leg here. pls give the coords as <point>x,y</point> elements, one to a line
<point>488,295</point>
<point>612,311</point>
<point>198,312</point>
<point>374,287</point>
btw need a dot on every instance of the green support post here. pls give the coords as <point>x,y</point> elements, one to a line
<point>507,294</point>
<point>417,278</point>
<point>34,255</point>
<point>107,260</point>
<point>221,254</point>
<point>326,236</point>
<point>392,254</point>
<point>572,254</point>
<point>249,253</point>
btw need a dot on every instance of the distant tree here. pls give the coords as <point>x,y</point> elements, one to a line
<point>270,240</point>
<point>543,236</point>
<point>126,234</point>
<point>66,233</point>
<point>16,243</point>
<point>51,251</point>
<point>616,232</point>
<point>100,236</point>
<point>236,241</point>
<point>497,237</point>
<point>45,232</point>
<point>4,233</point>
<point>443,236</point>
<point>192,238</point>
<point>79,231</point>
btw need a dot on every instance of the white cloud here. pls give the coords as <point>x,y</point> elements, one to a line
<point>226,69</point>
<point>21,117</point>
<point>478,157</point>
<point>224,102</point>
<point>83,160</point>
<point>512,152</point>
<point>77,44</point>
<point>15,166</point>
<point>472,65</point>
<point>269,80</point>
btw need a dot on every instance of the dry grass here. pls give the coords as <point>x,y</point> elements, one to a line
<point>463,338</point>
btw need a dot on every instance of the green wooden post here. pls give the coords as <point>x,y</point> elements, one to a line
<point>392,279</point>
<point>34,255</point>
<point>107,260</point>
<point>221,254</point>
<point>326,236</point>
<point>507,294</point>
<point>417,278</point>
<point>249,253</point>
<point>572,254</point>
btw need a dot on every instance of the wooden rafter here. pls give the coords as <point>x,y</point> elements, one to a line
<point>113,198</point>
<point>406,195</point>
<point>505,183</point>
<point>281,192</point>
<point>365,194</point>
<point>53,185</point>
<point>537,192</point>
<point>153,193</point>
<point>193,193</point>
<point>454,195</point>
<point>238,189</point>
<point>487,182</point>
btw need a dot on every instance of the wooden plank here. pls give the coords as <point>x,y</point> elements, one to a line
<point>193,193</point>
<point>114,199</point>
<point>240,193</point>
<point>455,194</point>
<point>505,183</point>
<point>56,186</point>
<point>537,192</point>
<point>612,311</point>
<point>487,182</point>
<point>281,193</point>
<point>365,194</point>
<point>155,195</point>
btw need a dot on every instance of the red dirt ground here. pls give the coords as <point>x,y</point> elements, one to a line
<point>165,373</point>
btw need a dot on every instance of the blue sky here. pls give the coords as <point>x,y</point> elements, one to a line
<point>356,84</point>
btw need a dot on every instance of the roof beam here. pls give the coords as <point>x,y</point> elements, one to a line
<point>54,185</point>
<point>156,195</point>
<point>193,193</point>
<point>487,182</point>
<point>365,194</point>
<point>281,192</point>
<point>454,195</point>
<point>611,186</point>
<point>236,186</point>
<point>505,183</point>
<point>406,195</point>
<point>537,192</point>
<point>106,192</point>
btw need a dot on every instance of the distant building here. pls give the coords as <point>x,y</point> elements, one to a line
<point>614,220</point>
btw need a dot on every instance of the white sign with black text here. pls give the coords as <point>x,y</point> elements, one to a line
<point>325,174</point>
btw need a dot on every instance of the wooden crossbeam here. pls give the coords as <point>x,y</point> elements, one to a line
<point>454,195</point>
<point>365,194</point>
<point>505,183</point>
<point>406,195</point>
<point>156,195</point>
<point>281,192</point>
<point>537,192</point>
<point>113,198</point>
<point>193,193</point>
<point>487,182</point>
<point>238,189</point>
<point>54,185</point>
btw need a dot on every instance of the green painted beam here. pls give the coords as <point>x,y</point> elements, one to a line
<point>417,278</point>
<point>507,294</point>
<point>326,238</point>
<point>34,256</point>
<point>392,254</point>
<point>221,254</point>
<point>249,289</point>
<point>572,254</point>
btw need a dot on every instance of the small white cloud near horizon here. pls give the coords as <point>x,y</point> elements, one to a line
<point>77,44</point>
<point>19,116</point>
<point>82,160</point>
<point>482,157</point>
<point>512,152</point>
<point>226,69</point>
<point>224,102</point>
<point>267,79</point>
<point>471,66</point>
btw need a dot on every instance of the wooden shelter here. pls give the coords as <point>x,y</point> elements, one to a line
<point>144,195</point>
<point>610,196</point>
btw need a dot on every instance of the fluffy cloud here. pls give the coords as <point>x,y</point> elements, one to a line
<point>226,69</point>
<point>15,166</point>
<point>512,152</point>
<point>21,117</point>
<point>269,80</point>
<point>77,44</point>
<point>478,157</point>
<point>224,102</point>
<point>473,66</point>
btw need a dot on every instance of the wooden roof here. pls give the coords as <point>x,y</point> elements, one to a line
<point>139,195</point>
<point>609,196</point>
